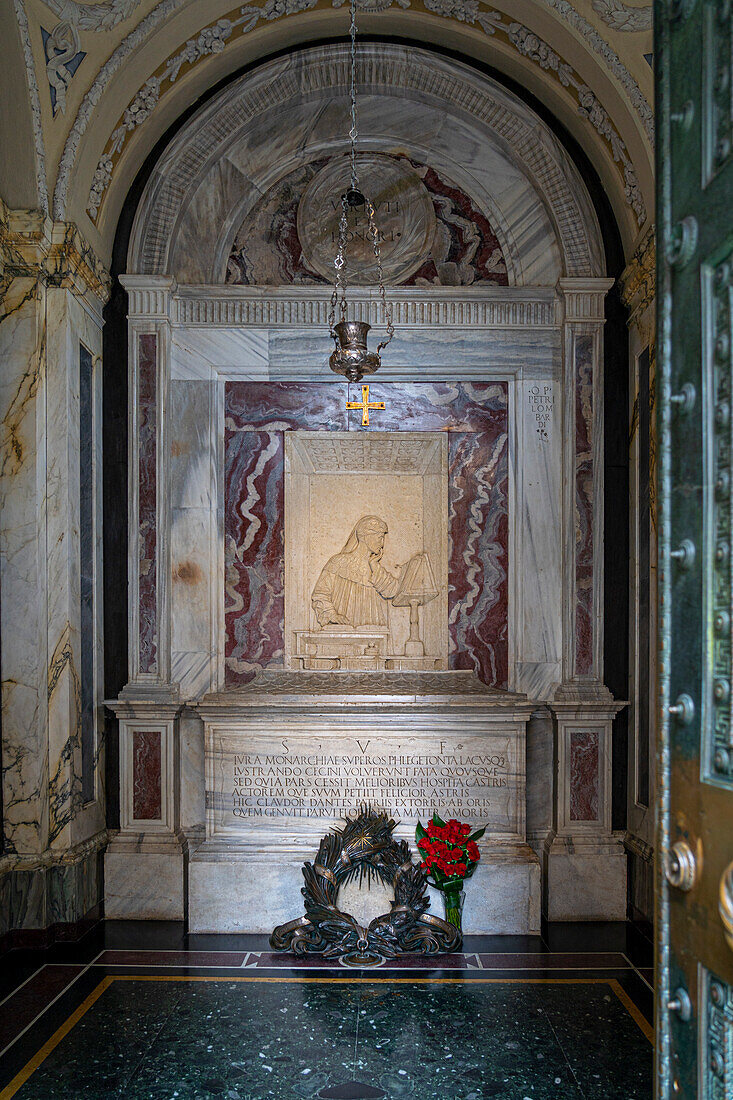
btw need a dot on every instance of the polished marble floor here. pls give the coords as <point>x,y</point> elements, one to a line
<point>141,1011</point>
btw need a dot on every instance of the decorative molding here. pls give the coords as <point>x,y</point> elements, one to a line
<point>62,48</point>
<point>149,296</point>
<point>55,857</point>
<point>33,246</point>
<point>620,17</point>
<point>584,299</point>
<point>638,847</point>
<point>380,66</point>
<point>35,105</point>
<point>166,7</point>
<point>93,17</point>
<point>296,307</point>
<point>86,110</point>
<point>639,278</point>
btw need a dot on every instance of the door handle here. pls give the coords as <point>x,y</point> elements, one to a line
<point>681,867</point>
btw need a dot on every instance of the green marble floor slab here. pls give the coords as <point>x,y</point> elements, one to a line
<point>276,1039</point>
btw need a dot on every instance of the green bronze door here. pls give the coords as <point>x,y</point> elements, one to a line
<point>694,45</point>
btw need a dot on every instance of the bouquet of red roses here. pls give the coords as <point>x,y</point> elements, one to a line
<point>449,851</point>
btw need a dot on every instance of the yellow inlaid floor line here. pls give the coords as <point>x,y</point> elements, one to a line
<point>32,1065</point>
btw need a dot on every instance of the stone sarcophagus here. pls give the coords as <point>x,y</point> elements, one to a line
<point>293,753</point>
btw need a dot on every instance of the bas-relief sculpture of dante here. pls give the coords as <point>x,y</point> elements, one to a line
<point>354,587</point>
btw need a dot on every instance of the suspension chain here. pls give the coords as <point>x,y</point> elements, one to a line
<point>338,298</point>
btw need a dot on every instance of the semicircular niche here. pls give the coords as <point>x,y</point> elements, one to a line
<point>434,234</point>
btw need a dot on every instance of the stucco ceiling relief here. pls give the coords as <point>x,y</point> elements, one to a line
<point>216,37</point>
<point>622,17</point>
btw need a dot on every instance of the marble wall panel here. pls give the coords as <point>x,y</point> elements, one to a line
<point>479,561</point>
<point>535,353</point>
<point>583,505</point>
<point>22,550</point>
<point>196,566</point>
<point>256,416</point>
<point>476,415</point>
<point>147,501</point>
<point>146,775</point>
<point>584,775</point>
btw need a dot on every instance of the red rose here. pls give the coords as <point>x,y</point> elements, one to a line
<point>473,853</point>
<point>461,869</point>
<point>432,829</point>
<point>424,866</point>
<point>424,844</point>
<point>465,830</point>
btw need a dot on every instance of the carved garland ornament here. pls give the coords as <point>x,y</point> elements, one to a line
<point>620,17</point>
<point>365,847</point>
<point>215,38</point>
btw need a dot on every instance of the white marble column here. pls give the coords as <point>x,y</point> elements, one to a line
<point>52,289</point>
<point>585,864</point>
<point>144,864</point>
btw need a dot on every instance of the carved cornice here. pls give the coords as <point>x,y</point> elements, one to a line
<point>149,296</point>
<point>300,307</point>
<point>584,299</point>
<point>32,246</point>
<point>639,279</point>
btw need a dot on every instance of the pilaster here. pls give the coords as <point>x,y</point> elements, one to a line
<point>145,862</point>
<point>149,344</point>
<point>583,488</point>
<point>53,289</point>
<point>585,865</point>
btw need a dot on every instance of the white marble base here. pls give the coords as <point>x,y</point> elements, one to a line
<point>143,879</point>
<point>230,890</point>
<point>586,879</point>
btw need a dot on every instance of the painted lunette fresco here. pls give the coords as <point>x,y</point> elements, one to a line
<point>147,502</point>
<point>583,505</point>
<point>256,417</point>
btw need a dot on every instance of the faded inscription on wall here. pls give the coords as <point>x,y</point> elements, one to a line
<point>299,778</point>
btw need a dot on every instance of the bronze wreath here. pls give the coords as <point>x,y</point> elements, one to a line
<point>365,847</point>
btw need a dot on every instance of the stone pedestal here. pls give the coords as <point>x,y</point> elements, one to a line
<point>585,864</point>
<point>291,754</point>
<point>144,864</point>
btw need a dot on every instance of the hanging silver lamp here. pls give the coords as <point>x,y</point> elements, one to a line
<point>351,357</point>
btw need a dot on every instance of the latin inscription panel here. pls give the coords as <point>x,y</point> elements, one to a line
<point>290,781</point>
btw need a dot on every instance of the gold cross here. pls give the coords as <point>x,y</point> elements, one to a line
<point>365,405</point>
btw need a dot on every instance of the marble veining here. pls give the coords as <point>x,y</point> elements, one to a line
<point>147,501</point>
<point>475,415</point>
<point>583,504</point>
<point>146,775</point>
<point>584,775</point>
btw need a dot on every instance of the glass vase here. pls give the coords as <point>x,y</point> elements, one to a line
<point>453,898</point>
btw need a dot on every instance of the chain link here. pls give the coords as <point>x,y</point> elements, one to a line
<point>354,132</point>
<point>338,298</point>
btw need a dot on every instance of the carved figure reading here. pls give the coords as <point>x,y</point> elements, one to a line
<point>353,588</point>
